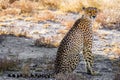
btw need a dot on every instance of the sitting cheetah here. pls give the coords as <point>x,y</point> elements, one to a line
<point>79,38</point>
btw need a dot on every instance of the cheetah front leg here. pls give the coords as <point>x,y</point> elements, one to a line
<point>89,59</point>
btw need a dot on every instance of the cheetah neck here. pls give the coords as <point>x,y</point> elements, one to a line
<point>89,19</point>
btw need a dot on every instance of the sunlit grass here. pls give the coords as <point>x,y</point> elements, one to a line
<point>110,9</point>
<point>71,5</point>
<point>50,4</point>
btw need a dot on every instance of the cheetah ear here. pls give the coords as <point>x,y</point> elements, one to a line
<point>83,8</point>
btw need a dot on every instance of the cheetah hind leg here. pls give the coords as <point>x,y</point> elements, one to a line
<point>89,58</point>
<point>89,67</point>
<point>90,70</point>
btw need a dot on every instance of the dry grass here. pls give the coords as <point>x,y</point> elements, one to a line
<point>68,24</point>
<point>61,31</point>
<point>44,15</point>
<point>46,42</point>
<point>109,8</point>
<point>12,1</point>
<point>7,64</point>
<point>114,48</point>
<point>26,6</point>
<point>4,4</point>
<point>71,5</point>
<point>110,13</point>
<point>10,11</point>
<point>50,4</point>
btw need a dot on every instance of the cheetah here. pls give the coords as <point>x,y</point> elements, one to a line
<point>78,38</point>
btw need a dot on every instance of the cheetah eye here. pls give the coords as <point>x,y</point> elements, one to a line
<point>95,11</point>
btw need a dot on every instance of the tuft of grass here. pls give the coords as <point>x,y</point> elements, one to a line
<point>50,4</point>
<point>7,64</point>
<point>26,70</point>
<point>116,48</point>
<point>4,4</point>
<point>10,11</point>
<point>26,6</point>
<point>12,1</point>
<point>71,5</point>
<point>46,42</point>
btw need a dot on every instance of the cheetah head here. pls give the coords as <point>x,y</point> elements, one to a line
<point>91,12</point>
